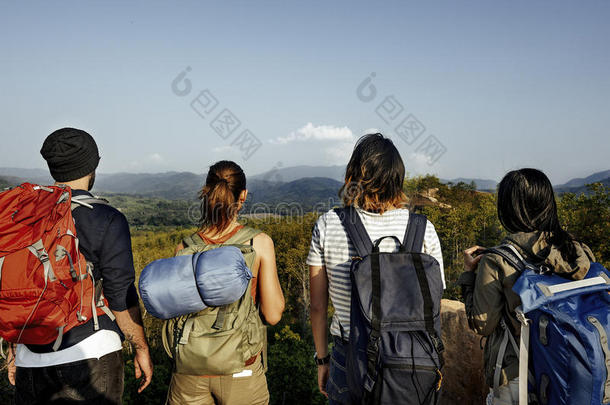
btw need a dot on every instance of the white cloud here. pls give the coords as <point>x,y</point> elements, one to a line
<point>318,133</point>
<point>152,161</point>
<point>340,153</point>
<point>417,163</point>
<point>156,158</point>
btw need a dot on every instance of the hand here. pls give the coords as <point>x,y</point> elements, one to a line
<point>10,364</point>
<point>143,366</point>
<point>470,260</point>
<point>323,371</point>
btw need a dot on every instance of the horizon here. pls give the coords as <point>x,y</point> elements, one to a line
<point>408,175</point>
<point>464,90</point>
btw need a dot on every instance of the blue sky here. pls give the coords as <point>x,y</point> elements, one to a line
<point>500,85</point>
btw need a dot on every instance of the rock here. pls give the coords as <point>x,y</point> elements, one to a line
<point>426,198</point>
<point>463,380</point>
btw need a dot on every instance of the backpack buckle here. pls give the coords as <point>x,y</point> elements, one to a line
<point>438,343</point>
<point>521,316</point>
<point>372,349</point>
<point>368,383</point>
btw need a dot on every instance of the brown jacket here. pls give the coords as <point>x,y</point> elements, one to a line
<point>493,298</point>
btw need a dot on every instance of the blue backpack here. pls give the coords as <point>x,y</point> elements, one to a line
<point>564,358</point>
<point>394,351</point>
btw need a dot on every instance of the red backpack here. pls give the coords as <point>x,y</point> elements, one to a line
<point>46,285</point>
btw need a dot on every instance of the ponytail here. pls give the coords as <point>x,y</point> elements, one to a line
<point>220,195</point>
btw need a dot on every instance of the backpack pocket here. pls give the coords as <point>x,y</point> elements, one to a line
<point>399,381</point>
<point>203,350</point>
<point>32,316</point>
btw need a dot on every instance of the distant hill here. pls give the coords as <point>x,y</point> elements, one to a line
<point>21,175</point>
<point>6,182</point>
<point>580,189</point>
<point>169,185</point>
<point>287,174</point>
<point>579,182</point>
<point>308,192</point>
<point>308,184</point>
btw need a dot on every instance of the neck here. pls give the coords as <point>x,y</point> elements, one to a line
<point>219,234</point>
<point>79,184</point>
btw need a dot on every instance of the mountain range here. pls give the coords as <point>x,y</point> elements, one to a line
<point>305,184</point>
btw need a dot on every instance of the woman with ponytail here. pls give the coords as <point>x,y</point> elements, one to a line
<point>222,197</point>
<point>528,211</point>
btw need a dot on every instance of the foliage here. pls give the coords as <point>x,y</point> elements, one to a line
<point>146,212</point>
<point>471,220</point>
<point>587,218</point>
<point>292,375</point>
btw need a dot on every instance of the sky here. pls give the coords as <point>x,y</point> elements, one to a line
<point>463,88</point>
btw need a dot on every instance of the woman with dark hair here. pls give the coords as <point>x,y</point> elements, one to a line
<point>528,211</point>
<point>373,185</point>
<point>222,197</point>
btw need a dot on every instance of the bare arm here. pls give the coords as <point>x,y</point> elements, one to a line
<point>130,323</point>
<point>318,286</point>
<point>271,297</point>
<point>10,363</point>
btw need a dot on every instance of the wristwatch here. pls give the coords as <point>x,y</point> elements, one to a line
<point>321,361</point>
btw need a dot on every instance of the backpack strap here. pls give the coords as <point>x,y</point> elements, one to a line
<point>414,242</point>
<point>193,240</point>
<point>242,237</point>
<point>87,201</point>
<point>424,287</point>
<point>355,230</point>
<point>509,253</point>
<point>245,236</point>
<point>515,260</point>
<point>415,232</point>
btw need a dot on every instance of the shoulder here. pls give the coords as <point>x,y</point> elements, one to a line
<point>101,215</point>
<point>263,244</point>
<point>327,218</point>
<point>109,214</point>
<point>495,265</point>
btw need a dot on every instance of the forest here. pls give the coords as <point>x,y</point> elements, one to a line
<point>462,217</point>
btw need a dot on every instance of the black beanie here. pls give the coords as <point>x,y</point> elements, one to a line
<point>70,153</point>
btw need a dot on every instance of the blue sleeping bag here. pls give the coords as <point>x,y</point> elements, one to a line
<point>185,284</point>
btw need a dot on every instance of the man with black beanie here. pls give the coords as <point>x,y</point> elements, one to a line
<point>88,366</point>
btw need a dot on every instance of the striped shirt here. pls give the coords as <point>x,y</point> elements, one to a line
<point>330,247</point>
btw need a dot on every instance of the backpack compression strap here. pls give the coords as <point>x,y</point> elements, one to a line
<point>355,230</point>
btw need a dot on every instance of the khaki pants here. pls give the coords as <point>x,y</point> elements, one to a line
<point>220,390</point>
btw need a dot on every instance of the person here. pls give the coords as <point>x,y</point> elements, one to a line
<point>373,185</point>
<point>88,365</point>
<point>528,212</point>
<point>222,198</point>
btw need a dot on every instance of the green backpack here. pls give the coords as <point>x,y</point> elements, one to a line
<point>218,340</point>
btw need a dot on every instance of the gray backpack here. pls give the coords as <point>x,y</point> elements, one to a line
<point>394,355</point>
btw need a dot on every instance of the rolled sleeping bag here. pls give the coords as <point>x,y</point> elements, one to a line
<point>185,284</point>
